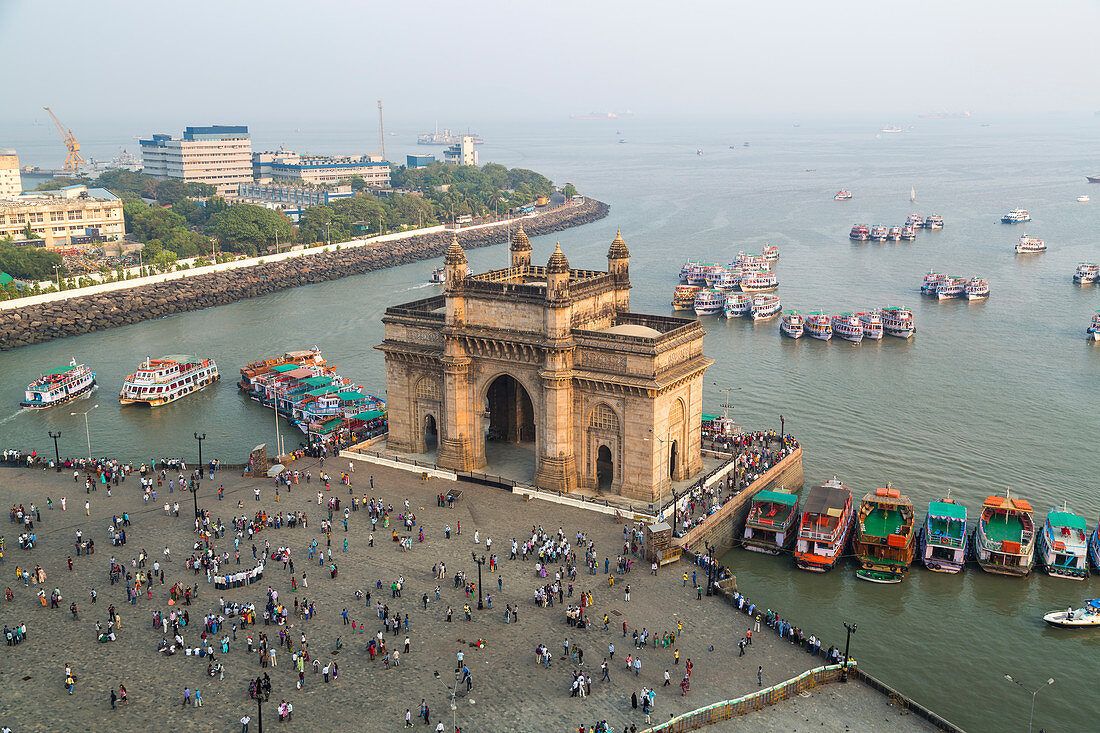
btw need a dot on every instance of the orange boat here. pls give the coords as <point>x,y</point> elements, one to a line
<point>824,527</point>
<point>299,358</point>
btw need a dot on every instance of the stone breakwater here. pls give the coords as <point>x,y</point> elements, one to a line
<point>34,324</point>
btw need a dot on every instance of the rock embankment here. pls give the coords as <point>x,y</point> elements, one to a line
<point>35,324</point>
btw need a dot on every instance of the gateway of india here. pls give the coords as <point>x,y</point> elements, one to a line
<point>550,356</point>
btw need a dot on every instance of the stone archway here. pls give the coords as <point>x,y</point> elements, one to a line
<point>605,468</point>
<point>509,428</point>
<point>431,432</point>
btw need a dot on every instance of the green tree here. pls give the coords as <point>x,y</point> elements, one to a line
<point>246,228</point>
<point>569,191</point>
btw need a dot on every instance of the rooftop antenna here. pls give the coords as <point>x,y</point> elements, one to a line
<point>381,131</point>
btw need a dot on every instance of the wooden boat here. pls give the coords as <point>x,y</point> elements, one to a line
<point>1004,540</point>
<point>943,537</point>
<point>1063,545</point>
<point>771,522</point>
<point>824,527</point>
<point>683,298</point>
<point>306,357</point>
<point>884,538</point>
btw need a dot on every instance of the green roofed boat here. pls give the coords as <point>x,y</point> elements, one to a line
<point>943,537</point>
<point>771,524</point>
<point>885,536</point>
<point>1063,545</point>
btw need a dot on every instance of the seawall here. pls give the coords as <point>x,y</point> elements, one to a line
<point>722,528</point>
<point>37,323</point>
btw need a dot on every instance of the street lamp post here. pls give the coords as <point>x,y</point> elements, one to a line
<point>480,561</point>
<point>847,642</point>
<point>782,432</point>
<point>710,564</point>
<point>454,707</point>
<point>1033,693</point>
<point>195,490</point>
<point>87,432</point>
<point>260,712</point>
<point>56,454</point>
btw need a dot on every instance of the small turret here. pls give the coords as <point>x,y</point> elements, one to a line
<point>618,259</point>
<point>557,275</point>
<point>454,264</point>
<point>521,249</point>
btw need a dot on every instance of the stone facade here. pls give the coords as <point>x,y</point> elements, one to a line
<point>612,400</point>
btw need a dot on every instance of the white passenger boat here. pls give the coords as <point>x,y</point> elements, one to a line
<point>1094,329</point>
<point>791,324</point>
<point>872,324</point>
<point>908,232</point>
<point>1016,216</point>
<point>724,278</point>
<point>160,381</point>
<point>737,305</point>
<point>894,234</point>
<point>1086,272</point>
<point>1082,199</point>
<point>931,282</point>
<point>765,307</point>
<point>898,321</point>
<point>819,325</point>
<point>770,252</point>
<point>1086,617</point>
<point>756,282</point>
<point>933,221</point>
<point>1064,545</point>
<point>952,286</point>
<point>879,232</point>
<point>848,327</point>
<point>915,220</point>
<point>1030,245</point>
<point>976,289</point>
<point>709,302</point>
<point>58,386</point>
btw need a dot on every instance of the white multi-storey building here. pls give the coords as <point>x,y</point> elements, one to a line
<point>320,170</point>
<point>59,216</point>
<point>461,153</point>
<point>10,183</point>
<point>220,155</point>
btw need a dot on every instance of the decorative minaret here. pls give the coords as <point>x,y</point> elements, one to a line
<point>521,249</point>
<point>618,266</point>
<point>454,264</point>
<point>557,275</point>
<point>555,464</point>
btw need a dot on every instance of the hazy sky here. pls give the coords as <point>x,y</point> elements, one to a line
<point>227,61</point>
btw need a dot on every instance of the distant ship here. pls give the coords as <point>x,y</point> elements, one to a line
<point>946,116</point>
<point>446,137</point>
<point>891,128</point>
<point>595,116</point>
<point>1093,179</point>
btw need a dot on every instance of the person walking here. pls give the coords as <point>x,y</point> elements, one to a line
<point>244,723</point>
<point>760,676</point>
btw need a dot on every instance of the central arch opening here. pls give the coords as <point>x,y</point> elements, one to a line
<point>509,429</point>
<point>431,432</point>
<point>672,460</point>
<point>605,468</point>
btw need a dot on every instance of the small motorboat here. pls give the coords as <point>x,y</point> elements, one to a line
<point>1085,617</point>
<point>1082,199</point>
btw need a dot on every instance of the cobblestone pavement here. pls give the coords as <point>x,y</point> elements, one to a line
<point>510,692</point>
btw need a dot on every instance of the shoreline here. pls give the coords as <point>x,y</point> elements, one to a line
<point>45,321</point>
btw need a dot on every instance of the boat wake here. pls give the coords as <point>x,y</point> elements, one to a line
<point>420,286</point>
<point>11,417</point>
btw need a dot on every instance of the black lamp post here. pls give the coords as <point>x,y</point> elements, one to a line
<point>480,562</point>
<point>781,428</point>
<point>847,642</point>
<point>710,564</point>
<point>56,454</point>
<point>260,711</point>
<point>195,489</point>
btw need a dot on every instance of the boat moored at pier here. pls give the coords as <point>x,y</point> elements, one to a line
<point>160,381</point>
<point>772,522</point>
<point>58,386</point>
<point>819,325</point>
<point>683,297</point>
<point>791,325</point>
<point>884,536</point>
<point>824,526</point>
<point>1063,545</point>
<point>897,321</point>
<point>848,327</point>
<point>943,538</point>
<point>765,307</point>
<point>1004,540</point>
<point>872,324</point>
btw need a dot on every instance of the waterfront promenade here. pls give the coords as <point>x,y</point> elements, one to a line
<point>509,690</point>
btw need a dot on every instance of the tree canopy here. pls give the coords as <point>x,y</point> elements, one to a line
<point>27,263</point>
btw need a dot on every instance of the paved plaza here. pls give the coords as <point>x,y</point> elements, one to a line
<point>510,692</point>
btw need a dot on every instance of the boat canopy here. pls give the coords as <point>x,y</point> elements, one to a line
<point>298,373</point>
<point>709,418</point>
<point>1094,603</point>
<point>321,391</point>
<point>59,370</point>
<point>779,497</point>
<point>945,510</point>
<point>1066,519</point>
<point>825,498</point>
<point>368,415</point>
<point>350,396</point>
<point>317,381</point>
<point>1022,505</point>
<point>281,368</point>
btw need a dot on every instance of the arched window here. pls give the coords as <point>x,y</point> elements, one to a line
<point>604,418</point>
<point>428,389</point>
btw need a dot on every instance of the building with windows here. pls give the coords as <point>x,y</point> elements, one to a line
<point>551,358</point>
<point>320,170</point>
<point>220,155</point>
<point>419,161</point>
<point>62,216</point>
<point>10,182</point>
<point>461,153</point>
<point>291,199</point>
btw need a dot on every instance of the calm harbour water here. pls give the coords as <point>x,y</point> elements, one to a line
<point>986,395</point>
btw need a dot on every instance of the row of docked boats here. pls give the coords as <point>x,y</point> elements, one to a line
<point>873,324</point>
<point>942,286</point>
<point>156,382</point>
<point>885,538</point>
<point>305,390</point>
<point>905,232</point>
<point>707,302</point>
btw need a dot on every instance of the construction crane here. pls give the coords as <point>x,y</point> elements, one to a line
<point>73,162</point>
<point>381,131</point>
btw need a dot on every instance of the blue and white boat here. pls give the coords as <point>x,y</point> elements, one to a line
<point>737,305</point>
<point>1016,216</point>
<point>1063,545</point>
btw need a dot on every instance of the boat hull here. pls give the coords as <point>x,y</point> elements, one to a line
<point>940,565</point>
<point>76,394</point>
<point>902,333</point>
<point>1061,620</point>
<point>169,399</point>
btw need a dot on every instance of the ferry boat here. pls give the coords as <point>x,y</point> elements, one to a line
<point>1063,545</point>
<point>738,304</point>
<point>848,327</point>
<point>1083,618</point>
<point>819,325</point>
<point>58,386</point>
<point>765,307</point>
<point>791,324</point>
<point>884,537</point>
<point>723,278</point>
<point>976,289</point>
<point>915,220</point>
<point>932,282</point>
<point>1004,540</point>
<point>1016,216</point>
<point>439,275</point>
<point>1094,329</point>
<point>1030,245</point>
<point>933,221</point>
<point>771,524</point>
<point>842,195</point>
<point>860,233</point>
<point>307,358</point>
<point>952,286</point>
<point>872,324</point>
<point>749,261</point>
<point>897,321</point>
<point>1086,272</point>
<point>757,282</point>
<point>908,232</point>
<point>943,537</point>
<point>686,270</point>
<point>878,233</point>
<point>709,302</point>
<point>160,381</point>
<point>894,234</point>
<point>698,274</point>
<point>1082,199</point>
<point>823,527</point>
<point>770,252</point>
<point>891,128</point>
<point>683,297</point>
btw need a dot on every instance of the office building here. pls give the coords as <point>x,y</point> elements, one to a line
<point>73,215</point>
<point>462,152</point>
<point>319,170</point>
<point>10,183</point>
<point>220,155</point>
<point>419,161</point>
